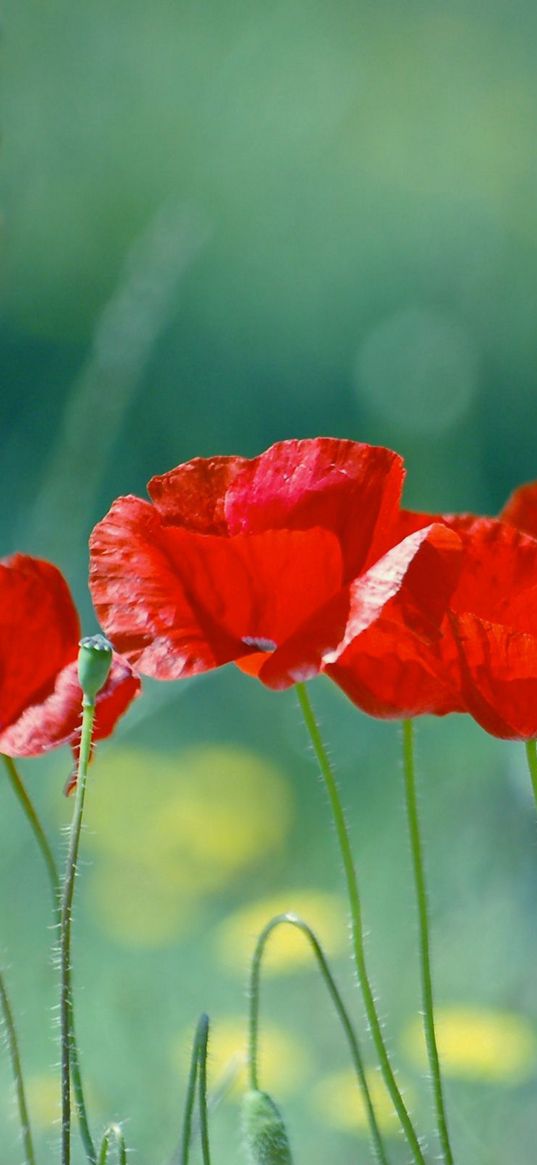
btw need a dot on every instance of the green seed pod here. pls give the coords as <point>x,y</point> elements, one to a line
<point>94,663</point>
<point>265,1135</point>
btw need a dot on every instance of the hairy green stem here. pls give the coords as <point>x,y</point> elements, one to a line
<point>531,753</point>
<point>54,880</point>
<point>197,1075</point>
<point>11,1035</point>
<point>38,831</point>
<point>115,1132</point>
<point>254,994</point>
<point>351,879</point>
<point>88,715</point>
<point>424,940</point>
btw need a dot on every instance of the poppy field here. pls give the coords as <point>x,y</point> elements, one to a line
<point>298,564</point>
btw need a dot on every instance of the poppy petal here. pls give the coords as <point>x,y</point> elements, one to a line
<point>391,672</point>
<point>520,510</point>
<point>39,632</point>
<point>498,575</point>
<point>56,719</point>
<point>294,484</point>
<point>499,676</point>
<point>176,603</point>
<point>193,495</point>
<point>350,488</point>
<point>421,571</point>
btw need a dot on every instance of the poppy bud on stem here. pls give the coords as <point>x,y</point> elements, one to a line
<point>343,1015</point>
<point>94,662</point>
<point>265,1135</point>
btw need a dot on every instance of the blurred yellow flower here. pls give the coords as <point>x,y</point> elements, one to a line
<point>287,949</point>
<point>44,1099</point>
<point>136,907</point>
<point>173,831</point>
<point>43,1095</point>
<point>477,1043</point>
<point>282,1062</point>
<point>338,1098</point>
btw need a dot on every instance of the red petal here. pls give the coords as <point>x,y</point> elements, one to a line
<point>426,563</point>
<point>177,603</point>
<point>390,672</point>
<point>194,494</point>
<point>499,676</point>
<point>521,509</point>
<point>406,663</point>
<point>39,632</point>
<point>56,719</point>
<point>350,488</point>
<point>499,575</point>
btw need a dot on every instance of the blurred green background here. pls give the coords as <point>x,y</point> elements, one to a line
<point>226,224</point>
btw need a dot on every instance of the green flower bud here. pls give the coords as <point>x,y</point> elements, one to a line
<point>265,1136</point>
<point>94,663</point>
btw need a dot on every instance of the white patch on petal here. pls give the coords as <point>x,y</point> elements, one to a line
<point>259,643</point>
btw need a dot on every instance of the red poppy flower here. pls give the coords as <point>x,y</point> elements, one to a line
<point>40,697</point>
<point>494,619</point>
<point>485,660</point>
<point>275,563</point>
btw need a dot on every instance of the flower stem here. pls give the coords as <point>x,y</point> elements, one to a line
<point>197,1074</point>
<point>7,1014</point>
<point>38,832</point>
<point>254,992</point>
<point>531,753</point>
<point>356,922</point>
<point>424,941</point>
<point>88,714</point>
<point>116,1132</point>
<point>54,879</point>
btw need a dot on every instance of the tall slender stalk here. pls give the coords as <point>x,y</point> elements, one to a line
<point>357,925</point>
<point>37,830</point>
<point>424,940</point>
<point>197,1075</point>
<point>11,1035</point>
<point>54,880</point>
<point>254,994</point>
<point>88,716</point>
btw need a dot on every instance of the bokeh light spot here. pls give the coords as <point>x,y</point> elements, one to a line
<point>287,949</point>
<point>419,370</point>
<point>339,1098</point>
<point>282,1063</point>
<point>169,832</point>
<point>478,1044</point>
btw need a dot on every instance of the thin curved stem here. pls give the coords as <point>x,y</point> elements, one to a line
<point>12,1043</point>
<point>38,831</point>
<point>197,1075</point>
<point>424,940</point>
<point>357,925</point>
<point>531,753</point>
<point>88,715</point>
<point>202,1093</point>
<point>254,993</point>
<point>116,1132</point>
<point>54,880</point>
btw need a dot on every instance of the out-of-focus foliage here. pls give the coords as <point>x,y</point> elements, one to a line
<point>226,224</point>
